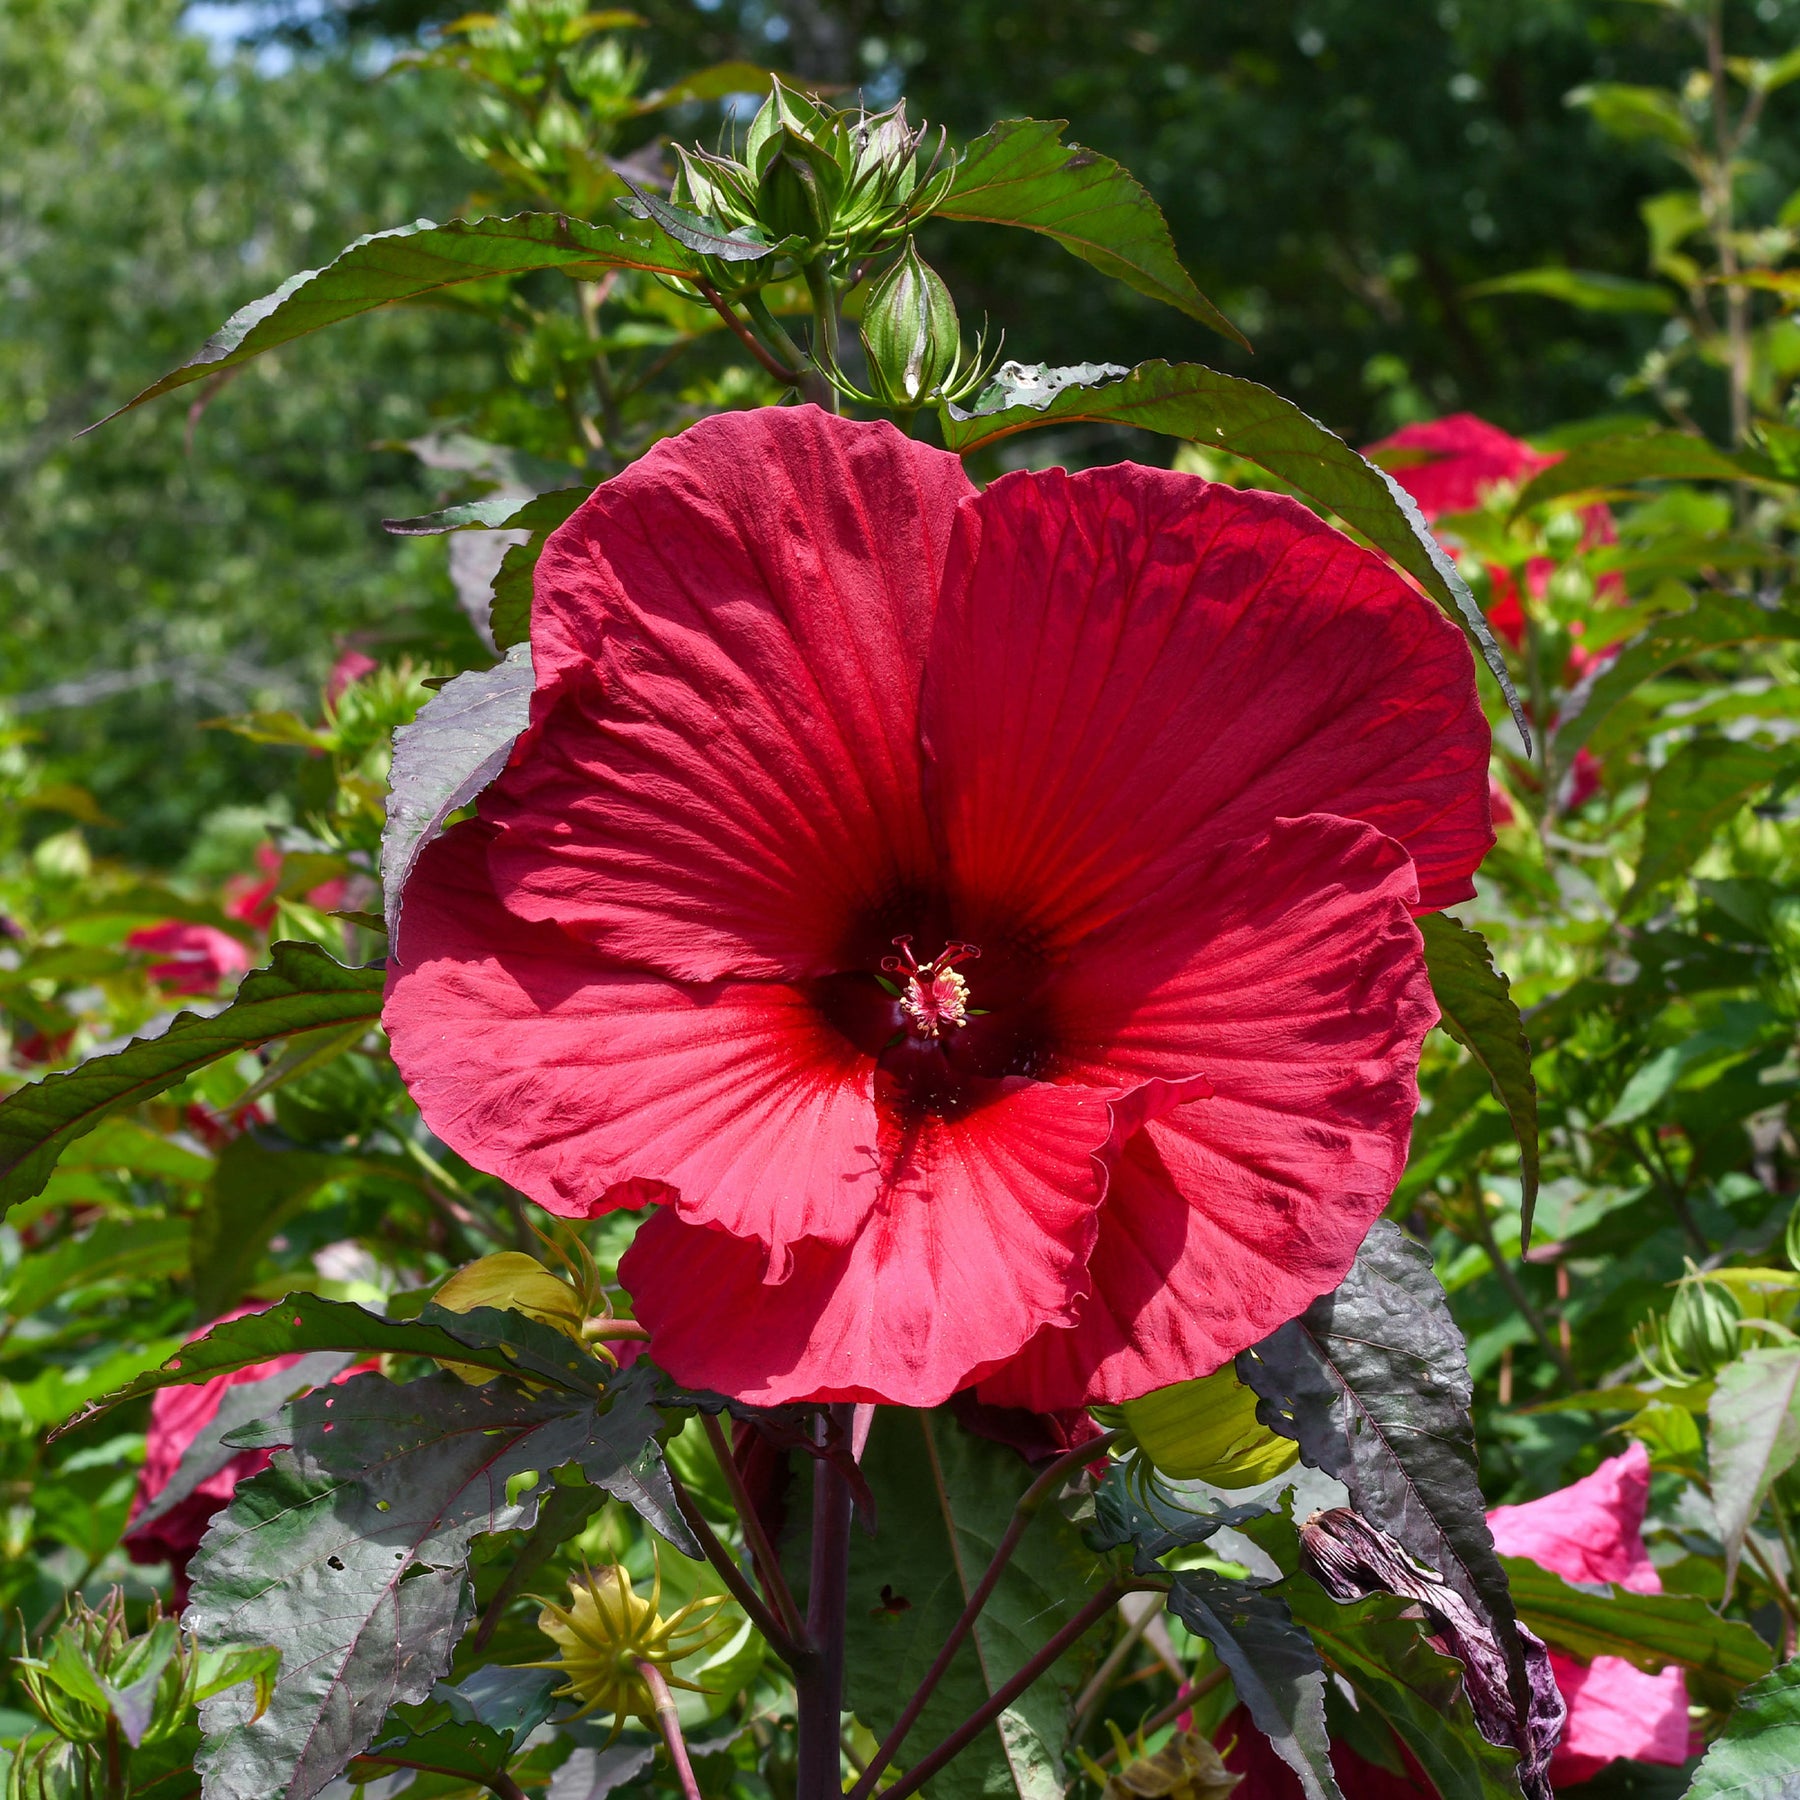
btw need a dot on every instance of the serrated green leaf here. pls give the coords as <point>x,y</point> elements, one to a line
<point>1716,623</point>
<point>458,743</point>
<point>1757,1757</point>
<point>943,1497</point>
<point>1649,1631</point>
<point>409,262</point>
<point>348,1554</point>
<point>1477,1008</point>
<point>1226,412</point>
<point>1640,456</point>
<point>1754,1417</point>
<point>301,990</point>
<point>1372,1381</point>
<point>1019,172</point>
<point>1274,1667</point>
<point>1702,786</point>
<point>507,1343</point>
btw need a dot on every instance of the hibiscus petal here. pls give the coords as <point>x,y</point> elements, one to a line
<point>1591,1530</point>
<point>1617,1710</point>
<point>722,775</point>
<point>568,1078</point>
<point>981,1239</point>
<point>1129,662</point>
<point>1286,970</point>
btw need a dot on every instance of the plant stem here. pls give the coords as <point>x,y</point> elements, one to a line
<point>502,1786</point>
<point>756,1540</point>
<point>820,1689</point>
<point>741,1590</point>
<point>1509,1279</point>
<point>1023,1513</point>
<point>818,284</point>
<point>670,1722</point>
<point>746,336</point>
<point>1718,200</point>
<point>1003,1696</point>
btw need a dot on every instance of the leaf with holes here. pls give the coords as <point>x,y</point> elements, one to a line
<point>1020,172</point>
<point>1476,1008</point>
<point>349,1553</point>
<point>1372,1382</point>
<point>1186,400</point>
<point>302,989</point>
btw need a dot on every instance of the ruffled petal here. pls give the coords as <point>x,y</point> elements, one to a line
<point>722,775</point>
<point>1288,972</point>
<point>1617,1710</point>
<point>568,1078</point>
<point>1591,1530</point>
<point>982,1237</point>
<point>1129,663</point>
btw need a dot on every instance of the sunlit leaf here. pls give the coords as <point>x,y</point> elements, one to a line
<point>1019,172</point>
<point>1755,1437</point>
<point>1757,1757</point>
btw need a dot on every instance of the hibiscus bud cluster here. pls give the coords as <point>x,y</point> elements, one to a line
<point>816,179</point>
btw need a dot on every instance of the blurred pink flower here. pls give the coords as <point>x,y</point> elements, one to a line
<point>1592,1531</point>
<point>254,901</point>
<point>195,959</point>
<point>350,667</point>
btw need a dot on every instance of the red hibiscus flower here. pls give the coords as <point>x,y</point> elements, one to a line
<point>1462,459</point>
<point>1592,1531</point>
<point>254,901</point>
<point>980,922</point>
<point>194,959</point>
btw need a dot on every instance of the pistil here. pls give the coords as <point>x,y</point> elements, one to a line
<point>935,998</point>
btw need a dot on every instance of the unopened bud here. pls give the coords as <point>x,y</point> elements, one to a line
<point>910,332</point>
<point>797,193</point>
<point>1703,1331</point>
<point>1207,1430</point>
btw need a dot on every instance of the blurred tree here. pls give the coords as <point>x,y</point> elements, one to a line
<point>169,569</point>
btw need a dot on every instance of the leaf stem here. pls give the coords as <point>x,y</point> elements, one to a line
<point>824,302</point>
<point>756,1540</point>
<point>746,336</point>
<point>742,1591</point>
<point>1024,1512</point>
<point>819,1690</point>
<point>1003,1696</point>
<point>670,1722</point>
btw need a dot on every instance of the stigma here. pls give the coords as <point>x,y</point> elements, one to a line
<point>935,997</point>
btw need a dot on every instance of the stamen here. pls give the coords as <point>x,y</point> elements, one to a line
<point>935,998</point>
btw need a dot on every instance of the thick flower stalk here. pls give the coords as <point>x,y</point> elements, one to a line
<point>980,924</point>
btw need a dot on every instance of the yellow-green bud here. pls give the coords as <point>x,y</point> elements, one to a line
<point>510,1281</point>
<point>1207,1430</point>
<point>798,191</point>
<point>910,332</point>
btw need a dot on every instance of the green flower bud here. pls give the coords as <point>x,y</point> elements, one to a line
<point>510,1281</point>
<point>1703,1330</point>
<point>910,332</point>
<point>798,190</point>
<point>1207,1430</point>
